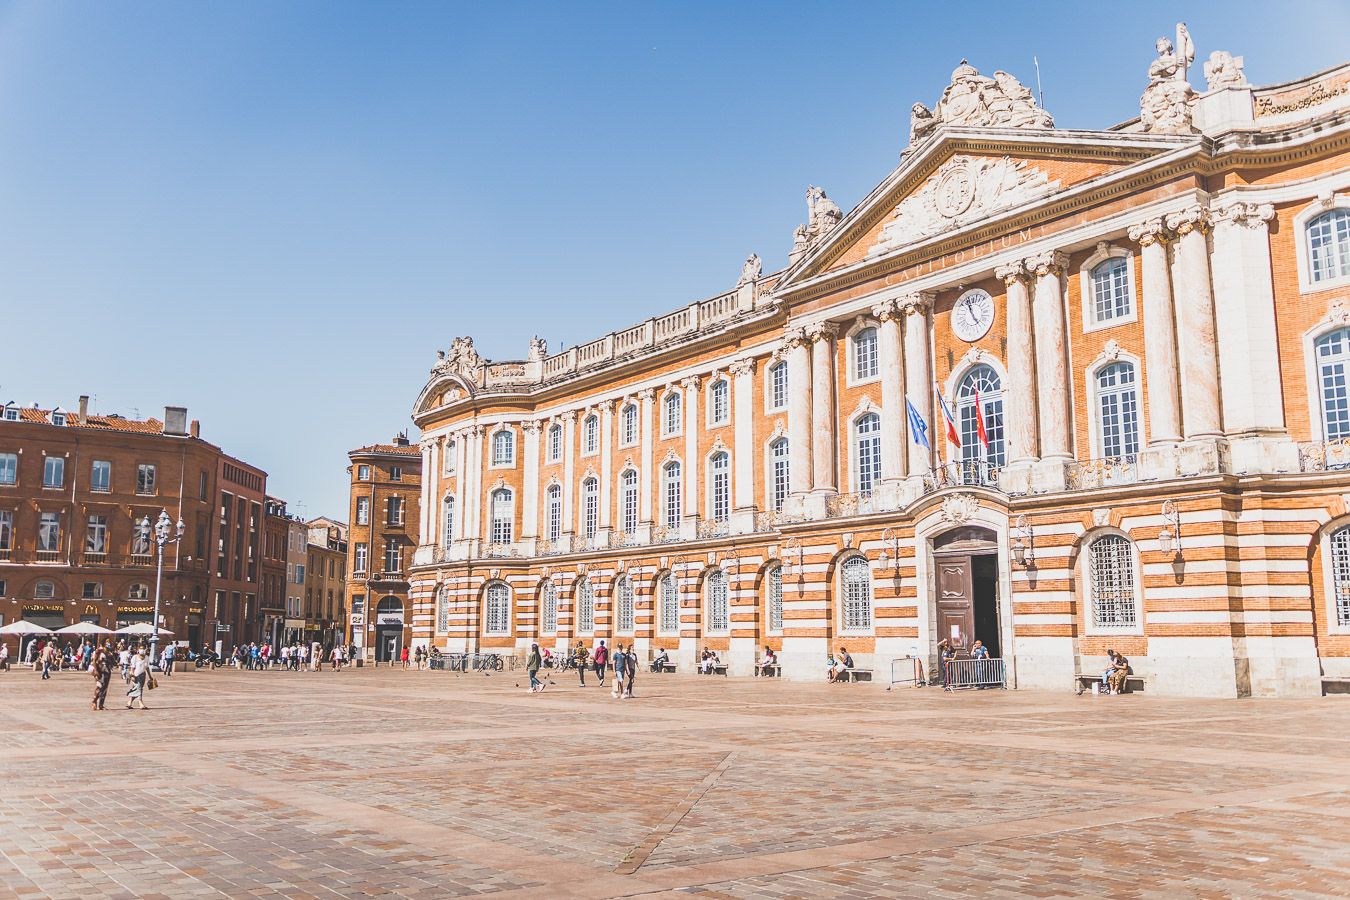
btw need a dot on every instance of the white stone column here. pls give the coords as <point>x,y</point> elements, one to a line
<point>799,413</point>
<point>645,477</point>
<point>1020,392</point>
<point>1198,348</point>
<point>529,511</point>
<point>475,499</point>
<point>1160,335</point>
<point>824,477</point>
<point>894,459</point>
<point>1052,364</point>
<point>569,490</point>
<point>424,535</point>
<point>919,379</point>
<point>692,462</point>
<point>743,422</point>
<point>606,467</point>
<point>461,476</point>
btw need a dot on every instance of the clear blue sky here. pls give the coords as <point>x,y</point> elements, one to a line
<point>274,213</point>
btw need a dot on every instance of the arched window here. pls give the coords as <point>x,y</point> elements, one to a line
<point>555,443</point>
<point>670,413</point>
<point>1340,575</point>
<point>718,618</point>
<point>1333,374</point>
<point>498,615</point>
<point>590,435</point>
<point>778,385</point>
<point>865,354</point>
<point>670,604</point>
<point>585,606</point>
<point>719,486</point>
<point>553,507</point>
<point>1111,579</point>
<point>719,402</point>
<point>628,490</point>
<point>1329,245</point>
<point>503,448</point>
<point>773,586</point>
<point>674,494</point>
<point>46,590</point>
<point>1111,290</point>
<point>503,516</point>
<point>1118,411</point>
<point>448,517</point>
<point>779,476</point>
<point>624,592</point>
<point>856,581</point>
<point>442,609</point>
<point>867,452</point>
<point>548,601</point>
<point>980,396</point>
<point>590,507</point>
<point>629,422</point>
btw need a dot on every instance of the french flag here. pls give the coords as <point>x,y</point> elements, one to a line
<point>953,435</point>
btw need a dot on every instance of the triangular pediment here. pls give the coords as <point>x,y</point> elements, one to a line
<point>964,178</point>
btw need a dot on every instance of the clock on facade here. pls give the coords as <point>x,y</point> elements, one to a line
<point>972,315</point>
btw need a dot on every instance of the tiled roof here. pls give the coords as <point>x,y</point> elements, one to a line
<point>108,423</point>
<point>388,449</point>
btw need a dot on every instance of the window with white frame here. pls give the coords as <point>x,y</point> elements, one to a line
<point>674,494</point>
<point>628,425</point>
<point>503,515</point>
<point>1340,576</point>
<point>628,490</point>
<point>393,510</point>
<point>778,386</point>
<point>447,521</point>
<point>442,609</point>
<point>503,448</point>
<point>49,532</point>
<point>100,476</point>
<point>53,472</point>
<point>669,598</point>
<point>867,453</point>
<point>44,590</point>
<point>145,479</point>
<point>361,557</point>
<point>719,486</point>
<point>393,558</point>
<point>9,468</point>
<point>1111,581</point>
<point>718,613</point>
<point>1111,297</point>
<point>1118,411</point>
<point>671,415</point>
<point>6,529</point>
<point>395,473</point>
<point>773,585</point>
<point>58,417</point>
<point>980,396</point>
<point>856,581</point>
<point>555,443</point>
<point>585,606</point>
<point>779,474</point>
<point>590,435</point>
<point>590,507</point>
<point>1329,245</point>
<point>553,509</point>
<point>624,590</point>
<point>362,510</point>
<point>363,473</point>
<point>498,616</point>
<point>96,540</point>
<point>865,363</point>
<point>138,591</point>
<point>548,602</point>
<point>1333,366</point>
<point>719,402</point>
<point>11,414</point>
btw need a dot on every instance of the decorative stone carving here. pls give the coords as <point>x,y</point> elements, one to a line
<point>793,336</point>
<point>821,331</point>
<point>690,383</point>
<point>1011,272</point>
<point>460,359</point>
<point>1189,219</point>
<point>822,214</point>
<point>647,395</point>
<point>1165,107</point>
<point>965,189</point>
<point>1101,516</point>
<point>1111,351</point>
<point>975,100</point>
<point>1145,233</point>
<point>743,366</point>
<point>960,508</point>
<point>974,356</point>
<point>1244,213</point>
<point>751,271</point>
<point>886,310</point>
<point>916,304</point>
<point>1224,70</point>
<point>1049,262</point>
<point>538,349</point>
<point>1339,311</point>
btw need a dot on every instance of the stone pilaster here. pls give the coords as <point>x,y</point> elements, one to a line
<point>529,511</point>
<point>799,415</point>
<point>1052,371</point>
<point>693,463</point>
<point>645,478</point>
<point>743,421</point>
<point>894,460</point>
<point>606,408</point>
<point>916,309</point>
<point>569,484</point>
<point>1200,410</point>
<point>824,478</point>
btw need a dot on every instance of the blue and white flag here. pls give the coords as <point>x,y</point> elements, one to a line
<point>918,428</point>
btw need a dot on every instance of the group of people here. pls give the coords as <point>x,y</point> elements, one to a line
<point>1117,670</point>
<point>417,659</point>
<point>837,664</point>
<point>623,662</point>
<point>296,656</point>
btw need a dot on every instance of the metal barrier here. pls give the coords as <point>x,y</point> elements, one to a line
<point>964,674</point>
<point>907,670</point>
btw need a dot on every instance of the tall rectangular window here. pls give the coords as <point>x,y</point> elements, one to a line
<point>590,499</point>
<point>145,479</point>
<point>550,605</point>
<point>53,472</point>
<point>361,555</point>
<point>363,473</point>
<point>96,541</point>
<point>555,443</point>
<point>670,414</point>
<point>554,512</point>
<point>362,510</point>
<point>719,476</point>
<point>719,402</point>
<point>670,605</point>
<point>778,386</point>
<point>6,530</point>
<point>100,476</point>
<point>776,598</point>
<point>393,556</point>
<point>394,511</point>
<point>630,501</point>
<point>49,532</point>
<point>395,473</point>
<point>630,424</point>
<point>779,457</point>
<point>865,354</point>
<point>503,505</point>
<point>448,521</point>
<point>9,468</point>
<point>674,508</point>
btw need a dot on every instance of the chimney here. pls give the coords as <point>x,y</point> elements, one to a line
<point>175,420</point>
<point>401,439</point>
<point>84,408</point>
<point>195,429</point>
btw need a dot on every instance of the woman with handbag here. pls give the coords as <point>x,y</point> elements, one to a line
<point>140,680</point>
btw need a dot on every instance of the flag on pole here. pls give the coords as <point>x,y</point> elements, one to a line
<point>918,428</point>
<point>979,421</point>
<point>952,434</point>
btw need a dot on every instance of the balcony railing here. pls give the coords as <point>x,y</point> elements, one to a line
<point>1099,473</point>
<point>1324,456</point>
<point>663,535</point>
<point>963,473</point>
<point>857,504</point>
<point>141,559</point>
<point>92,558</point>
<point>501,551</point>
<point>713,528</point>
<point>5,554</point>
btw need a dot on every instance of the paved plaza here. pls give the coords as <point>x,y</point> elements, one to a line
<point>427,784</point>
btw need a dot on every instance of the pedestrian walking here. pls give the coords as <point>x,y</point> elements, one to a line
<point>403,657</point>
<point>102,672</point>
<point>166,660</point>
<point>48,658</point>
<point>620,668</point>
<point>580,656</point>
<point>532,665</point>
<point>140,677</point>
<point>4,657</point>
<point>601,659</point>
<point>630,658</point>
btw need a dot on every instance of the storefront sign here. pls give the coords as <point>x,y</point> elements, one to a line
<point>222,627</point>
<point>135,609</point>
<point>44,608</point>
<point>358,619</point>
<point>389,618</point>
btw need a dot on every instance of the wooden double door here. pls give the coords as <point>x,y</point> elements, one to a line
<point>967,599</point>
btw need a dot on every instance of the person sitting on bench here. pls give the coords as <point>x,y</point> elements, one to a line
<point>768,662</point>
<point>1121,671</point>
<point>845,661</point>
<point>833,668</point>
<point>1110,668</point>
<point>662,658</point>
<point>710,661</point>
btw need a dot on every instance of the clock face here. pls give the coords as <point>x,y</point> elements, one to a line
<point>972,315</point>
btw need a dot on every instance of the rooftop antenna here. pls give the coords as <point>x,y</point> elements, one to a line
<point>1039,93</point>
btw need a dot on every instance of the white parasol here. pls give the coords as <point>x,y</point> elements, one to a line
<point>84,628</point>
<point>24,627</point>
<point>141,628</point>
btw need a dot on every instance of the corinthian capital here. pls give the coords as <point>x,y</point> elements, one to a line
<point>739,367</point>
<point>647,395</point>
<point>1051,262</point>
<point>605,406</point>
<point>793,336</point>
<point>1245,214</point>
<point>531,426</point>
<point>886,310</point>
<point>690,383</point>
<point>917,304</point>
<point>1150,231</point>
<point>1011,273</point>
<point>821,331</point>
<point>1192,218</point>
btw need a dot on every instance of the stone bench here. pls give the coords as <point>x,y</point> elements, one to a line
<point>1335,684</point>
<point>717,669</point>
<point>1083,681</point>
<point>665,668</point>
<point>772,670</point>
<point>854,674</point>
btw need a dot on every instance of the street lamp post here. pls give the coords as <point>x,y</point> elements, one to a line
<point>162,526</point>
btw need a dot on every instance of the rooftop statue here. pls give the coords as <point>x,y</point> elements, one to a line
<point>975,100</point>
<point>1165,107</point>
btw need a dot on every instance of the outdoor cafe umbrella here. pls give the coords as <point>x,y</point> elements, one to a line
<point>84,628</point>
<point>142,628</point>
<point>24,627</point>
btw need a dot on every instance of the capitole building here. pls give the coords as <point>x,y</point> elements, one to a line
<point>1140,336</point>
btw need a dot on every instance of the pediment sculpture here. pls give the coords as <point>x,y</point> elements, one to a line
<point>822,214</point>
<point>964,189</point>
<point>1165,107</point>
<point>460,359</point>
<point>751,271</point>
<point>975,100</point>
